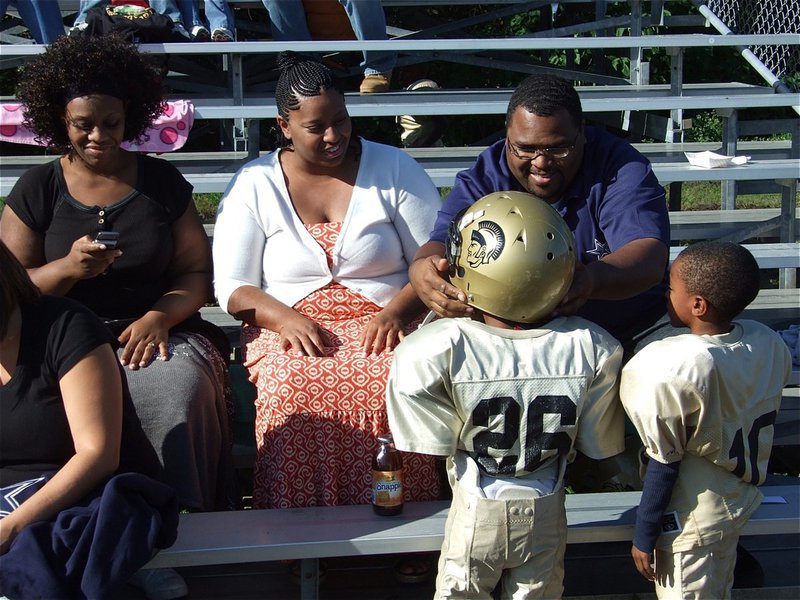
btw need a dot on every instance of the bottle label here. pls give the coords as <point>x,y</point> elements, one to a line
<point>387,488</point>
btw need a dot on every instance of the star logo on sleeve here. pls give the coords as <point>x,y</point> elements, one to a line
<point>600,250</point>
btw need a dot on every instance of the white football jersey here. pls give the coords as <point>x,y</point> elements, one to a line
<point>514,400</point>
<point>710,402</point>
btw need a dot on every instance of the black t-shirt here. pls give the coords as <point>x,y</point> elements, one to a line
<point>144,219</point>
<point>35,437</point>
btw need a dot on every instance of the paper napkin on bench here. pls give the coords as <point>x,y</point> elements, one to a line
<point>711,160</point>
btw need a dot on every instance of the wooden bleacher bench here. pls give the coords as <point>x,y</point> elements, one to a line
<point>311,533</point>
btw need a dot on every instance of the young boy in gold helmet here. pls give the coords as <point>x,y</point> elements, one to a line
<point>508,397</point>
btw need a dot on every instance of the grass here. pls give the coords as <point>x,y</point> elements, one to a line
<point>207,206</point>
<point>705,195</point>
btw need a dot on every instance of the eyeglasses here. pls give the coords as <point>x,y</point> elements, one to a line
<point>551,153</point>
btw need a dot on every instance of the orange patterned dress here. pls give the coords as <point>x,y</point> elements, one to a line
<point>317,418</point>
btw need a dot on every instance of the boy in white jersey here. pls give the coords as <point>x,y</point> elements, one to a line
<point>704,404</point>
<point>507,397</point>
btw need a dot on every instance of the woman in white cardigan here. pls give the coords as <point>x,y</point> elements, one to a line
<point>311,250</point>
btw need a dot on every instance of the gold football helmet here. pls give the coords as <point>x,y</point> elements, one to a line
<point>513,256</point>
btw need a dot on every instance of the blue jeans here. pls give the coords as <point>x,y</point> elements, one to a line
<point>41,17</point>
<point>218,14</point>
<point>288,21</point>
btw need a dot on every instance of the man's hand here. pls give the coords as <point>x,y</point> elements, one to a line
<point>427,275</point>
<point>579,291</point>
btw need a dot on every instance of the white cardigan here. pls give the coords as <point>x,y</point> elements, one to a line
<point>260,241</point>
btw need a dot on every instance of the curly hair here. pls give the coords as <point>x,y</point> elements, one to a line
<point>723,273</point>
<point>545,95</point>
<point>78,66</point>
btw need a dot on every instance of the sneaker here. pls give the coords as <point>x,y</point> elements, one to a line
<point>200,34</point>
<point>77,29</point>
<point>159,584</point>
<point>412,568</point>
<point>222,35</point>
<point>181,30</point>
<point>421,131</point>
<point>375,82</point>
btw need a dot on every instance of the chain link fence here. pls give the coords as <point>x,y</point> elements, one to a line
<point>764,17</point>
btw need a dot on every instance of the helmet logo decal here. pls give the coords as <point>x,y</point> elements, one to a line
<point>486,244</point>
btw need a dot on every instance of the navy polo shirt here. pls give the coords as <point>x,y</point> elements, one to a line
<point>614,199</point>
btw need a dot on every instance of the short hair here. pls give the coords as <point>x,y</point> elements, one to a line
<point>544,96</point>
<point>16,288</point>
<point>724,273</point>
<point>300,77</point>
<point>76,66</point>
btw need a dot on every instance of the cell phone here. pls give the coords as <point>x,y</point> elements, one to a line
<point>107,238</point>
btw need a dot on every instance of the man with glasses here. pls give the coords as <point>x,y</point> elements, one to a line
<point>604,189</point>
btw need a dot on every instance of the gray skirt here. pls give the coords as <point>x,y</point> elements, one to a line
<point>184,406</point>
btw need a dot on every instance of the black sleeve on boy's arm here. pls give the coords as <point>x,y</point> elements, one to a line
<point>658,483</point>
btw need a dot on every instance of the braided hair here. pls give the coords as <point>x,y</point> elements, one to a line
<point>544,96</point>
<point>300,77</point>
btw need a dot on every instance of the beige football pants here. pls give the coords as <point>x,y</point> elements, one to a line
<point>520,541</point>
<point>699,573</point>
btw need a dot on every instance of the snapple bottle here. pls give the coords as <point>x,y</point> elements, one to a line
<point>387,478</point>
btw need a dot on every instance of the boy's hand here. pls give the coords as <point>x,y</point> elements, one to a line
<point>644,563</point>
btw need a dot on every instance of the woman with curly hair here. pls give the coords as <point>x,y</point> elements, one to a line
<point>85,96</point>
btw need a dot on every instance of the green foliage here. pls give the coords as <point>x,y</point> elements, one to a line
<point>792,81</point>
<point>207,206</point>
<point>706,127</point>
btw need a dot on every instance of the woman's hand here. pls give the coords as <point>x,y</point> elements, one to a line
<point>440,296</point>
<point>383,332</point>
<point>301,335</point>
<point>87,259</point>
<point>142,338</point>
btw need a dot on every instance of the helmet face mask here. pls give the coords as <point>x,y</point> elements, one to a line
<point>513,256</point>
